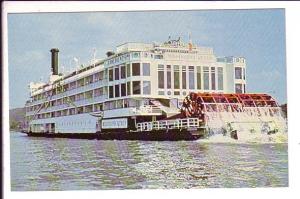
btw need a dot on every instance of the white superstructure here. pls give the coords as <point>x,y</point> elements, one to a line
<point>137,83</point>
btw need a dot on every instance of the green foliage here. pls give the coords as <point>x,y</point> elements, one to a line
<point>14,124</point>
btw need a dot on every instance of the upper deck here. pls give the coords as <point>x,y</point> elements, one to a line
<point>138,71</point>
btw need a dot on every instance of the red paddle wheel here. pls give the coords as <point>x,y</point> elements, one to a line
<point>196,104</point>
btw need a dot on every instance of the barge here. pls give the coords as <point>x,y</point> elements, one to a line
<point>168,91</point>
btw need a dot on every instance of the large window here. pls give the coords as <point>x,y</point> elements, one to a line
<point>117,77</point>
<point>199,77</point>
<point>136,69</point>
<point>183,77</point>
<point>128,70</point>
<point>123,89</point>
<point>146,69</point>
<point>111,91</point>
<point>176,77</point>
<point>123,72</point>
<point>161,76</point>
<point>238,88</point>
<point>146,87</point>
<point>206,77</point>
<point>191,77</point>
<point>136,87</point>
<point>238,73</point>
<point>111,74</point>
<point>220,78</point>
<point>213,78</point>
<point>128,88</point>
<point>117,91</point>
<point>169,84</point>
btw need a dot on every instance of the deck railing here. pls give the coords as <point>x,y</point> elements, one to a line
<point>185,123</point>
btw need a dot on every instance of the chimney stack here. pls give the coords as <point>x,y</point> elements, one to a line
<point>54,60</point>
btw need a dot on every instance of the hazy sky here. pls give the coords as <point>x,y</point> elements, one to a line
<point>257,35</point>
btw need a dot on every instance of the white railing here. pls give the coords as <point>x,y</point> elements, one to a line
<point>169,124</point>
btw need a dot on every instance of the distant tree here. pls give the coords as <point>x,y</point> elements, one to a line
<point>14,124</point>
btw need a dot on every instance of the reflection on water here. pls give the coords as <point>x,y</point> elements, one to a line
<point>70,164</point>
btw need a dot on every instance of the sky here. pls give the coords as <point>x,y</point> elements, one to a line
<point>257,35</point>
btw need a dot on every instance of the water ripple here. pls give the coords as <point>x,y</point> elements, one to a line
<point>67,164</point>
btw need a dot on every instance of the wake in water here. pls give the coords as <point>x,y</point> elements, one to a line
<point>247,125</point>
<point>258,139</point>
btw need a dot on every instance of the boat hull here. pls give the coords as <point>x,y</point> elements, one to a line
<point>171,135</point>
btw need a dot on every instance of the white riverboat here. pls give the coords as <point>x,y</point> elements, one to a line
<point>136,85</point>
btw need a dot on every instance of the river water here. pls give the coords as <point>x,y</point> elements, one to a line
<point>72,164</point>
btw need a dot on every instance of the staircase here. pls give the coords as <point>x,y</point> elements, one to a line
<point>169,111</point>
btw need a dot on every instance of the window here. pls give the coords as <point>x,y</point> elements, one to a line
<point>128,70</point>
<point>88,94</point>
<point>191,78</point>
<point>136,69</point>
<point>206,77</point>
<point>98,107</point>
<point>169,84</point>
<point>117,91</point>
<point>97,92</point>
<point>119,104</point>
<point>161,75</point>
<point>158,56</point>
<point>183,77</point>
<point>176,92</point>
<point>161,93</point>
<point>128,88</point>
<point>111,75</point>
<point>176,77</point>
<point>136,87</point>
<point>88,108</point>
<point>97,77</point>
<point>136,55</point>
<point>89,79</point>
<point>123,72</point>
<point>146,69</point>
<point>80,110</point>
<point>238,73</point>
<point>238,88</point>
<point>123,89</point>
<point>199,77</point>
<point>244,74</point>
<point>72,85</point>
<point>117,77</point>
<point>213,78</point>
<point>244,88</point>
<point>111,91</point>
<point>220,78</point>
<point>79,83</point>
<point>146,87</point>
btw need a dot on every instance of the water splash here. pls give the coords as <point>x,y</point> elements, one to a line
<point>246,124</point>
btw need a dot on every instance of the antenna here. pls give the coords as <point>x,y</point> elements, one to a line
<point>76,61</point>
<point>94,56</point>
<point>190,38</point>
<point>190,42</point>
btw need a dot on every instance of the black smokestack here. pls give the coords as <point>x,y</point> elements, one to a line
<point>54,60</point>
